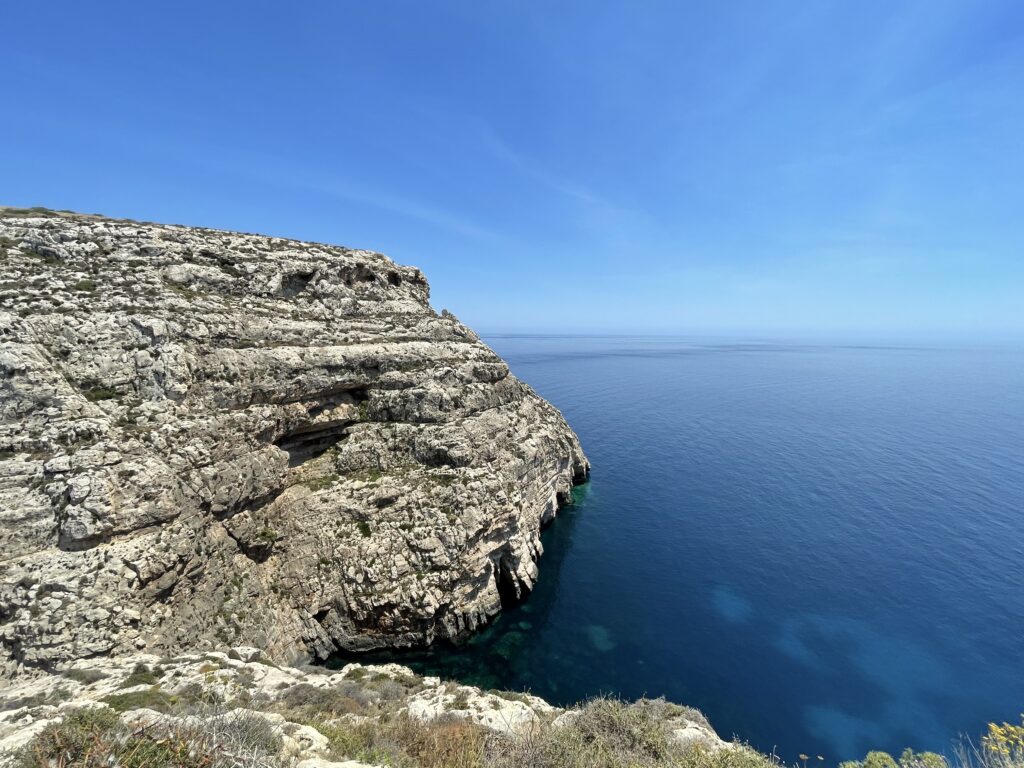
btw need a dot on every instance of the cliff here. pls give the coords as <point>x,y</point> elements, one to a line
<point>210,438</point>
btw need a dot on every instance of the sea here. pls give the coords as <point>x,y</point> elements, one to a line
<point>819,545</point>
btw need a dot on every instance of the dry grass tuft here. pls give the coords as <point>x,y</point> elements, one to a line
<point>96,738</point>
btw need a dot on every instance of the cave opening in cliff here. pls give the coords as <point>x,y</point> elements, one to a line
<point>295,283</point>
<point>308,443</point>
<point>510,591</point>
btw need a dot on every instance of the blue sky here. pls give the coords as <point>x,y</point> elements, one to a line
<point>753,167</point>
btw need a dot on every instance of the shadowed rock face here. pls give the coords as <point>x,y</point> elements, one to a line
<point>210,438</point>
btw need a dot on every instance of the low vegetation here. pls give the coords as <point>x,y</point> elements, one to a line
<point>909,759</point>
<point>51,698</point>
<point>84,676</point>
<point>1002,746</point>
<point>612,734</point>
<point>142,674</point>
<point>358,724</point>
<point>95,394</point>
<point>148,698</point>
<point>308,703</point>
<point>364,718</point>
<point>96,738</point>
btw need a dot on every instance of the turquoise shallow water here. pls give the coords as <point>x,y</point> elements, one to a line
<point>818,545</point>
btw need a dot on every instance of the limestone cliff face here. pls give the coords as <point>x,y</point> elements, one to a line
<point>209,438</point>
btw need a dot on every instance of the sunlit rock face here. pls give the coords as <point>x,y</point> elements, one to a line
<point>209,437</point>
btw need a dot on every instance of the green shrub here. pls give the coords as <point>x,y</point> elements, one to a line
<point>608,733</point>
<point>1002,746</point>
<point>391,687</point>
<point>737,757</point>
<point>908,759</point>
<point>141,675</point>
<point>403,742</point>
<point>84,676</point>
<point>95,394</point>
<point>911,759</point>
<point>879,760</point>
<point>53,697</point>
<point>315,702</point>
<point>461,700</point>
<point>268,535</point>
<point>32,212</point>
<point>95,738</point>
<point>509,695</point>
<point>320,483</point>
<point>615,726</point>
<point>82,739</point>
<point>151,698</point>
<point>442,743</point>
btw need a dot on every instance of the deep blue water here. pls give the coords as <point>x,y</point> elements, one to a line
<point>821,547</point>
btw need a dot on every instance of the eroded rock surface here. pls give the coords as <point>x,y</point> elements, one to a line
<point>210,438</point>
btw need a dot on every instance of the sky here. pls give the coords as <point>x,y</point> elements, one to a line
<point>572,166</point>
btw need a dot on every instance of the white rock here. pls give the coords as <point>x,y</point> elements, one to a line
<point>245,653</point>
<point>316,762</point>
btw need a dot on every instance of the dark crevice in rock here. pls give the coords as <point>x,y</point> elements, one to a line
<point>163,594</point>
<point>295,283</point>
<point>437,456</point>
<point>258,551</point>
<point>68,544</point>
<point>253,504</point>
<point>307,443</point>
<point>359,274</point>
<point>510,590</point>
<point>382,502</point>
<point>227,266</point>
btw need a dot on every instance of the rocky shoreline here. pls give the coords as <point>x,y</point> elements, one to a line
<point>210,439</point>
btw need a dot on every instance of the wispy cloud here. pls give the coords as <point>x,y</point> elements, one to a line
<point>280,170</point>
<point>592,210</point>
<point>407,207</point>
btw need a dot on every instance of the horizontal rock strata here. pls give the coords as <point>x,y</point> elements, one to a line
<point>211,438</point>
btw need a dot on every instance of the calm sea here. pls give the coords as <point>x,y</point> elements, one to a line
<point>820,546</point>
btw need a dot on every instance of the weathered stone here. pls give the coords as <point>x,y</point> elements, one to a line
<point>243,440</point>
<point>245,653</point>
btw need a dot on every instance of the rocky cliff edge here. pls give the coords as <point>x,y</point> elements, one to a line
<point>210,438</point>
<point>235,709</point>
